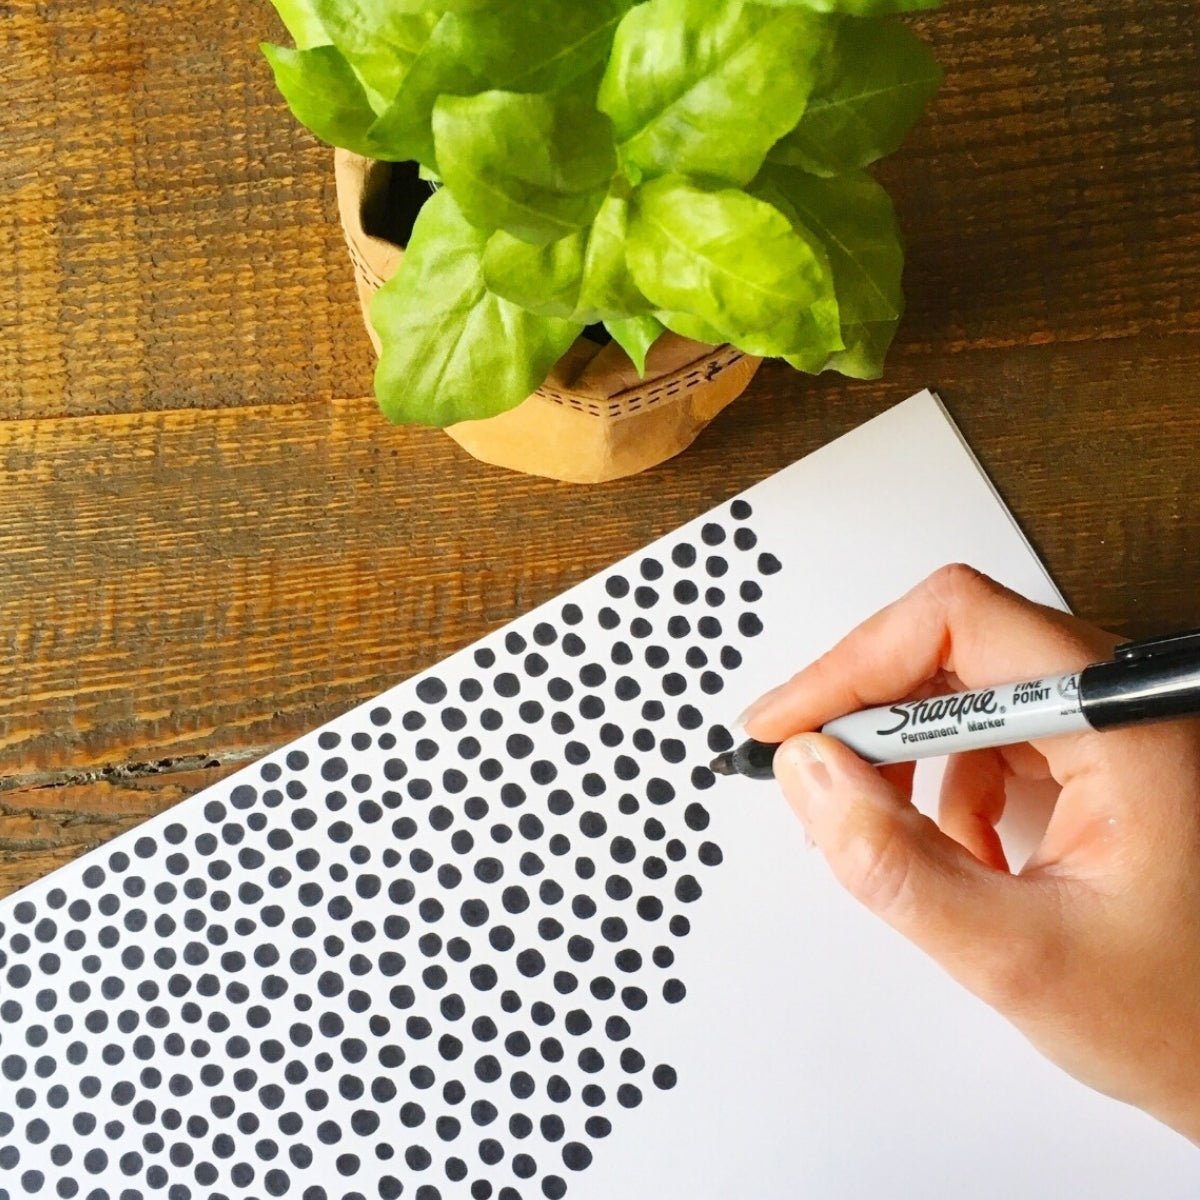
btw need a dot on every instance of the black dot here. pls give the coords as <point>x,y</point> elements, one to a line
<point>768,564</point>
<point>710,854</point>
<point>616,586</point>
<point>716,566</point>
<point>431,690</point>
<point>749,625</point>
<point>603,988</point>
<point>530,963</point>
<point>418,1158</point>
<point>488,870</point>
<point>577,1022</point>
<point>664,1077</point>
<point>659,791</point>
<point>593,825</point>
<point>673,750</point>
<point>576,1156</point>
<point>628,960</point>
<point>683,555</point>
<point>617,887</point>
<point>483,1112</point>
<point>686,592</point>
<point>580,948</point>
<point>613,929</point>
<point>674,991</point>
<point>483,977</point>
<point>687,889</point>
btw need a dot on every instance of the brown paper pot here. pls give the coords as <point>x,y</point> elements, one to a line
<point>593,419</point>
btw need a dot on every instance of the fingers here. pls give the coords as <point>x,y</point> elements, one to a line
<point>992,931</point>
<point>956,621</point>
<point>972,802</point>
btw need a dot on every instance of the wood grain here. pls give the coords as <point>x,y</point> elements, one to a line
<point>173,239</point>
<point>209,541</point>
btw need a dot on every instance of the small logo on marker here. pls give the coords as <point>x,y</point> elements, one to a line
<point>1068,687</point>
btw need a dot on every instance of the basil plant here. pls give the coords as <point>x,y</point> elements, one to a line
<point>691,165</point>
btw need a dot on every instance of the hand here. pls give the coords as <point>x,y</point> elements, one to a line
<point>1093,948</point>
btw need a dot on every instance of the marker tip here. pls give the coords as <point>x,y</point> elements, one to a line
<point>723,764</point>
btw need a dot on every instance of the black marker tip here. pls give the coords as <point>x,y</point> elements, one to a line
<point>723,764</point>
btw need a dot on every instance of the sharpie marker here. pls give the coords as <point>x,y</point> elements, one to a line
<point>1150,680</point>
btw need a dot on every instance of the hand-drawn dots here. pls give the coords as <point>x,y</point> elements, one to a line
<point>551,679</point>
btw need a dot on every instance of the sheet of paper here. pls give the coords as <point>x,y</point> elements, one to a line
<point>498,933</point>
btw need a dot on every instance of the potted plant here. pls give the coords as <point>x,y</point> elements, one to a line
<point>684,177</point>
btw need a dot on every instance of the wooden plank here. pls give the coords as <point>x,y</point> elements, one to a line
<point>42,828</point>
<point>184,591</point>
<point>173,241</point>
<point>195,583</point>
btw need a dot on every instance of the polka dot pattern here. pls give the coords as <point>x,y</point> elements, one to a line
<point>413,954</point>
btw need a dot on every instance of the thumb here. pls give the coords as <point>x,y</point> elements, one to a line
<point>994,932</point>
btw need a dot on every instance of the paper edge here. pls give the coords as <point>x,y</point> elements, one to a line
<point>987,479</point>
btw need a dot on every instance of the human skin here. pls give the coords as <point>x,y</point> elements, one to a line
<point>1092,948</point>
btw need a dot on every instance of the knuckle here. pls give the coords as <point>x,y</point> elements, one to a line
<point>956,581</point>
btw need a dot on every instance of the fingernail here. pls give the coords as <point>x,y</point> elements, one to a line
<point>808,780</point>
<point>759,706</point>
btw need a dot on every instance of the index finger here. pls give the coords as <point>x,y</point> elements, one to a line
<point>956,621</point>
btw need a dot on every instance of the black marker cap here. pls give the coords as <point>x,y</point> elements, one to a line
<point>1151,680</point>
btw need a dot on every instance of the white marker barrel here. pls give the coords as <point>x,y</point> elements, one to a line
<point>994,716</point>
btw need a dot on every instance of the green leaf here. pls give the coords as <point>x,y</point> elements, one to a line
<point>376,39</point>
<point>691,327</point>
<point>584,276</point>
<point>607,290</point>
<point>324,94</point>
<point>855,219</point>
<point>512,45</point>
<point>300,19</point>
<point>543,279</point>
<point>856,8</point>
<point>736,263</point>
<point>635,336</point>
<point>441,6</point>
<point>875,85</point>
<point>536,166</point>
<point>705,89</point>
<point>452,351</point>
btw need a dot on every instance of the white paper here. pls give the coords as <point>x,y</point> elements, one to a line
<point>814,1053</point>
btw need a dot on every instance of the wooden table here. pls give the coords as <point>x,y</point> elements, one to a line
<point>210,542</point>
